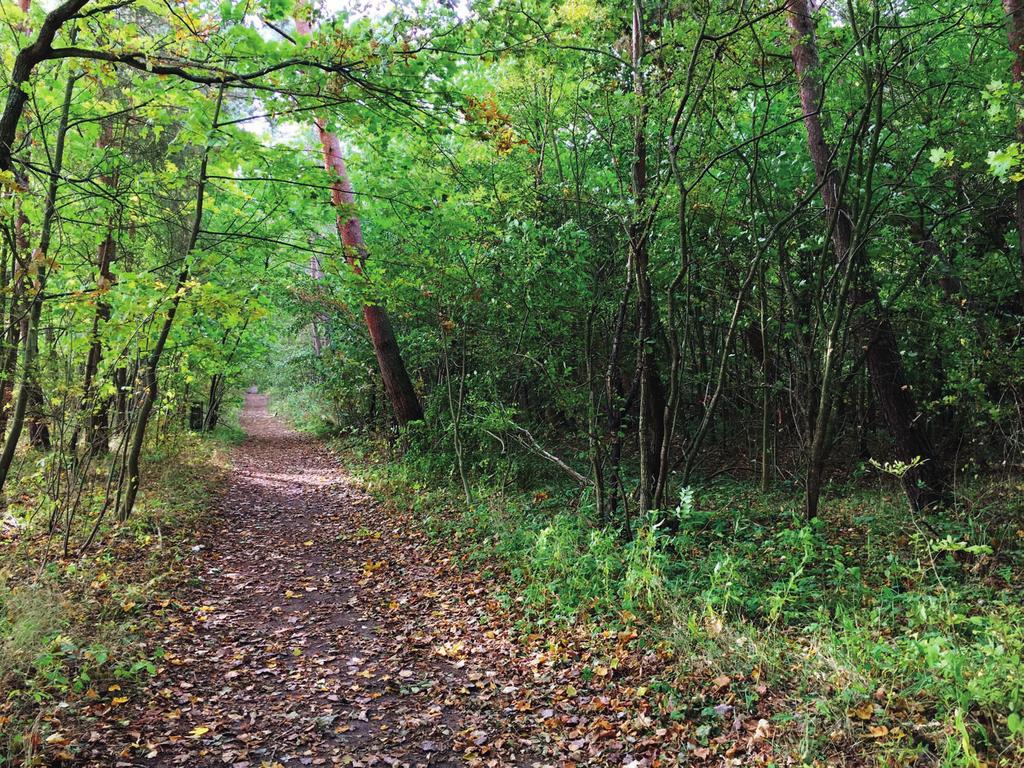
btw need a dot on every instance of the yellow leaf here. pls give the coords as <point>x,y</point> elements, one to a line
<point>198,731</point>
<point>118,700</point>
<point>864,711</point>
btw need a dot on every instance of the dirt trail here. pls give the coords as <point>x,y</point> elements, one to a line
<point>325,630</point>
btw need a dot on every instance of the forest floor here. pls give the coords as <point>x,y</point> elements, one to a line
<point>293,620</point>
<point>301,623</point>
<point>322,629</point>
<point>268,612</point>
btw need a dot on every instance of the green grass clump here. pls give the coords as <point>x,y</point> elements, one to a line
<point>72,629</point>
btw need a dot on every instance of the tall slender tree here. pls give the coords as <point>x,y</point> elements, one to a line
<point>925,481</point>
<point>404,402</point>
<point>1014,10</point>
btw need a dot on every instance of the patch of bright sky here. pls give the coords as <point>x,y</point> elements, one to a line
<point>289,131</point>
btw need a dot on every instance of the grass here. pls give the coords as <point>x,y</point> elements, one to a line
<point>882,640</point>
<point>73,631</point>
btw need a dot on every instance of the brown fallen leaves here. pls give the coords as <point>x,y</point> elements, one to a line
<point>324,630</point>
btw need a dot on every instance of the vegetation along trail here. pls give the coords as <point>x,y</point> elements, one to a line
<point>645,383</point>
<point>324,630</point>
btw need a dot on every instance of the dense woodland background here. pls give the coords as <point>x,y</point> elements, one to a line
<point>710,312</point>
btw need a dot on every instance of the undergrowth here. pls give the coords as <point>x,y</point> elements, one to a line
<point>72,630</point>
<point>883,639</point>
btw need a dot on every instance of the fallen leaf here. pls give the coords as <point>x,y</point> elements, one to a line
<point>863,712</point>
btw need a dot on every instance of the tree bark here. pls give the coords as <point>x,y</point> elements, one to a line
<point>38,428</point>
<point>150,380</point>
<point>98,428</point>
<point>11,340</point>
<point>35,305</point>
<point>925,485</point>
<point>24,63</point>
<point>404,402</point>
<point>652,392</point>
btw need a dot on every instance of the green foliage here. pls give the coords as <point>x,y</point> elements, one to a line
<point>834,612</point>
<point>73,631</point>
<point>577,242</point>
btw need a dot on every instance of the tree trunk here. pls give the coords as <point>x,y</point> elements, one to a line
<point>38,429</point>
<point>652,393</point>
<point>11,343</point>
<point>150,381</point>
<point>119,417</point>
<point>35,306</point>
<point>98,428</point>
<point>195,416</point>
<point>925,485</point>
<point>7,369</point>
<point>1015,34</point>
<point>25,61</point>
<point>213,401</point>
<point>404,402</point>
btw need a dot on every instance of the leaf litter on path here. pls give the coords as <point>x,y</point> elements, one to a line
<point>323,629</point>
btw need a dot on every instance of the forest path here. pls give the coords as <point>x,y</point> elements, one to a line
<point>325,630</point>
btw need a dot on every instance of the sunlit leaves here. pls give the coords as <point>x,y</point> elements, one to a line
<point>941,158</point>
<point>1005,163</point>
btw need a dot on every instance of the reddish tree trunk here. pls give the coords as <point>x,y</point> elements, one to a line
<point>404,402</point>
<point>926,485</point>
<point>98,421</point>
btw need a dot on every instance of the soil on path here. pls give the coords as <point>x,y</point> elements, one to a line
<point>321,629</point>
